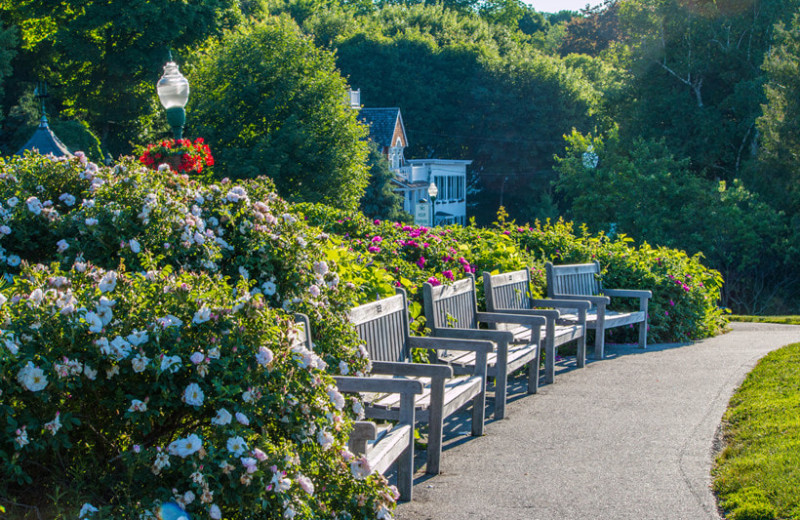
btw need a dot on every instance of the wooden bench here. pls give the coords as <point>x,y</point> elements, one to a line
<point>582,281</point>
<point>510,293</point>
<point>452,311</point>
<point>390,443</point>
<point>383,326</point>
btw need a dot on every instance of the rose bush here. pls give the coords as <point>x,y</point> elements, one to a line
<point>685,293</point>
<point>156,387</point>
<point>159,230</point>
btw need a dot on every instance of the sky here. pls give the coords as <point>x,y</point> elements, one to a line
<point>554,6</point>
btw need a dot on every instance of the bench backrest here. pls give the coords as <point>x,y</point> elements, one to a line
<point>451,306</point>
<point>572,279</point>
<point>383,326</point>
<point>507,290</point>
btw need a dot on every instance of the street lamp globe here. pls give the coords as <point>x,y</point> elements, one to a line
<point>173,92</point>
<point>433,191</point>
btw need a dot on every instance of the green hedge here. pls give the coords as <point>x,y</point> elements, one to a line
<point>685,293</point>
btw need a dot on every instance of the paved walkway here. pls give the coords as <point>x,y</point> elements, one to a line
<point>630,437</point>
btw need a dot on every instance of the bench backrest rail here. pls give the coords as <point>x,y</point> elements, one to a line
<point>383,326</point>
<point>573,279</point>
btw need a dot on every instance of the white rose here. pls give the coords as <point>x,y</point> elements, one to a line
<point>32,377</point>
<point>236,446</point>
<point>222,418</point>
<point>193,395</point>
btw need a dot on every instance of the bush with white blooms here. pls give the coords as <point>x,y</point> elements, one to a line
<point>148,354</point>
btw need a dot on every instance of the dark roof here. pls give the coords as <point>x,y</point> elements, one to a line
<point>45,142</point>
<point>381,122</point>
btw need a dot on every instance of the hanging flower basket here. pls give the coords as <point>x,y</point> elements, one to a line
<point>181,155</point>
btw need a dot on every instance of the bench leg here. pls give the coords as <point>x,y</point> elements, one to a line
<point>550,359</point>
<point>599,343</point>
<point>533,372</point>
<point>643,334</point>
<point>581,355</point>
<point>479,413</point>
<point>405,471</point>
<point>500,382</point>
<point>435,426</point>
<point>600,333</point>
<point>405,463</point>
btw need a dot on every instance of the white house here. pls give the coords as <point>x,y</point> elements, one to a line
<point>413,176</point>
<point>450,177</point>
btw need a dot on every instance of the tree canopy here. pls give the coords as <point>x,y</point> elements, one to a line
<point>270,103</point>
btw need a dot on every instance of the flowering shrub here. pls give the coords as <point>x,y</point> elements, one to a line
<point>685,298</point>
<point>171,232</point>
<point>159,387</point>
<point>182,155</point>
<point>685,293</point>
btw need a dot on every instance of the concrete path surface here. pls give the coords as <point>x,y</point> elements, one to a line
<point>629,437</point>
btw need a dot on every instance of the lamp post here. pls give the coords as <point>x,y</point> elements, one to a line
<point>433,191</point>
<point>173,92</point>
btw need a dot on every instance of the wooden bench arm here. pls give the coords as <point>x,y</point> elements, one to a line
<point>517,319</point>
<point>545,313</point>
<point>597,300</point>
<point>450,344</point>
<point>378,384</point>
<point>496,336</point>
<point>411,369</point>
<point>628,293</point>
<point>364,431</point>
<point>569,304</point>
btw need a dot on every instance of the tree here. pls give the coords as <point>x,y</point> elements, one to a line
<point>642,190</point>
<point>779,160</point>
<point>271,103</point>
<point>696,77</point>
<point>380,200</point>
<point>593,31</point>
<point>103,58</point>
<point>8,44</point>
<point>467,90</point>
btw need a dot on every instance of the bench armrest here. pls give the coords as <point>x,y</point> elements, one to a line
<point>450,344</point>
<point>597,300</point>
<point>628,293</point>
<point>518,319</point>
<point>378,384</point>
<point>411,369</point>
<point>364,431</point>
<point>497,336</point>
<point>545,313</point>
<point>563,303</point>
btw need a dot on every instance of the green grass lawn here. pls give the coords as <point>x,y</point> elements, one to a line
<point>757,475</point>
<point>789,320</point>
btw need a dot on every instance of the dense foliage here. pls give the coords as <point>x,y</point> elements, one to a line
<point>708,83</point>
<point>165,302</point>
<point>270,103</point>
<point>389,255</point>
<point>642,190</point>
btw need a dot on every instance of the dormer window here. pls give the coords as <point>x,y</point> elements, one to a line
<point>396,154</point>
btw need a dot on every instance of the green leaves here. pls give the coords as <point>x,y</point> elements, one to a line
<point>270,103</point>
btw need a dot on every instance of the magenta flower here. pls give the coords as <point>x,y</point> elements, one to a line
<point>448,274</point>
<point>376,222</point>
<point>421,262</point>
<point>433,281</point>
<point>671,303</point>
<point>374,249</point>
<point>377,239</point>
